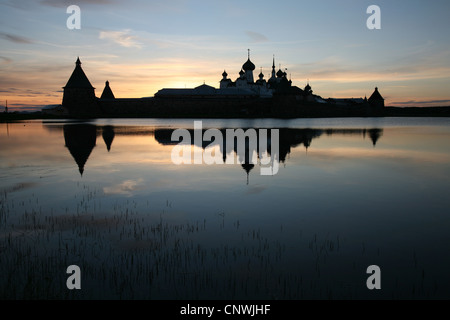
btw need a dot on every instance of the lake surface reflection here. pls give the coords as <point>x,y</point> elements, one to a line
<point>105,195</point>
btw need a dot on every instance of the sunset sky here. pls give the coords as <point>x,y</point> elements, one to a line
<point>143,46</point>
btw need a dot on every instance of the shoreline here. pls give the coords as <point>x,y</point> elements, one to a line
<point>443,111</point>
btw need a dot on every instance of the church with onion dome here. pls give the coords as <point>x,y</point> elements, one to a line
<point>260,87</point>
<point>247,96</point>
<point>243,86</point>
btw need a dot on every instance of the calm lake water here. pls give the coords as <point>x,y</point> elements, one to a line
<point>105,195</point>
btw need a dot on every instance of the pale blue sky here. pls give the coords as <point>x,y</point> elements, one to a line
<point>142,46</point>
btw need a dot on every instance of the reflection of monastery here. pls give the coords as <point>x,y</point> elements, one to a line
<point>81,139</point>
<point>243,97</point>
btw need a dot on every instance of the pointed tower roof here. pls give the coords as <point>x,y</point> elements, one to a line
<point>107,92</point>
<point>375,134</point>
<point>78,78</point>
<point>376,95</point>
<point>247,167</point>
<point>80,139</point>
<point>108,136</point>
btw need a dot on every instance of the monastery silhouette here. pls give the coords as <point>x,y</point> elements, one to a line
<point>242,98</point>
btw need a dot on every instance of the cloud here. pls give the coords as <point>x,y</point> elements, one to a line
<point>122,38</point>
<point>19,4</point>
<point>422,102</point>
<point>255,189</point>
<point>256,37</point>
<point>10,90</point>
<point>25,107</point>
<point>335,70</point>
<point>66,3</point>
<point>126,187</point>
<point>24,92</point>
<point>15,39</point>
<point>5,60</point>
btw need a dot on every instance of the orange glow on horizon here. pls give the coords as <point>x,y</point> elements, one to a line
<point>144,80</point>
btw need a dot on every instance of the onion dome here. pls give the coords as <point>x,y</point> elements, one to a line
<point>248,65</point>
<point>224,74</point>
<point>280,73</point>
<point>241,73</point>
<point>261,75</point>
